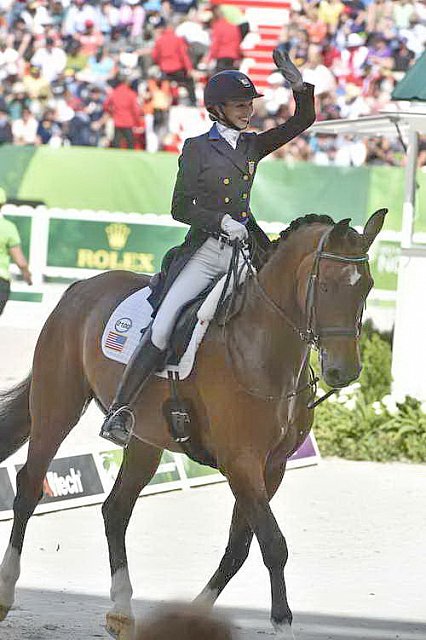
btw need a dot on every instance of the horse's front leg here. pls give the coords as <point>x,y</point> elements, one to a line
<point>140,463</point>
<point>240,537</point>
<point>247,481</point>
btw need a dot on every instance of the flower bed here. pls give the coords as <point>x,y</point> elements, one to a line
<point>364,421</point>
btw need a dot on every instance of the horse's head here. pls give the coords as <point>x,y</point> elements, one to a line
<point>333,284</point>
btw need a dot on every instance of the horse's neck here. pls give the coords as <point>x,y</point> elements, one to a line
<point>266,350</point>
<point>279,274</point>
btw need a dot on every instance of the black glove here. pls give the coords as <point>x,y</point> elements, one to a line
<point>288,69</point>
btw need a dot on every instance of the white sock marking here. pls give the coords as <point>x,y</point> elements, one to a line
<point>9,573</point>
<point>121,592</point>
<point>207,597</point>
<point>283,631</point>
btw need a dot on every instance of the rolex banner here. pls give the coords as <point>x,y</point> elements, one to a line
<point>90,244</point>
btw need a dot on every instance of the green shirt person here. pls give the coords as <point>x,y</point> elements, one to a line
<point>10,249</point>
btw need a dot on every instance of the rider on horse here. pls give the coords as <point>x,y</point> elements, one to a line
<point>212,195</point>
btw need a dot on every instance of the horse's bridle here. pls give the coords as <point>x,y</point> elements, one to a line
<point>312,334</point>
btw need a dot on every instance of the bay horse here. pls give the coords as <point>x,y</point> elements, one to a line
<point>249,391</point>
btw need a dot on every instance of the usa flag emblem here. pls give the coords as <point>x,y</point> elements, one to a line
<point>115,341</point>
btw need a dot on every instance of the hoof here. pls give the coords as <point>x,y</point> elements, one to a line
<point>3,612</point>
<point>120,626</point>
<point>283,630</point>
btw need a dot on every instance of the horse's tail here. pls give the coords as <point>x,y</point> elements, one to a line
<point>15,420</point>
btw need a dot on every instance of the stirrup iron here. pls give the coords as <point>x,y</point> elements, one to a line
<point>125,409</point>
<point>112,433</point>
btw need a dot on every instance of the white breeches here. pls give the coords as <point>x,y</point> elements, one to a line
<point>212,259</point>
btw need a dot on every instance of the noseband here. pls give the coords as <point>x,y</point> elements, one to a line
<point>312,333</point>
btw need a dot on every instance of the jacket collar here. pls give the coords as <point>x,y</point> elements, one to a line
<point>235,155</point>
<point>214,133</point>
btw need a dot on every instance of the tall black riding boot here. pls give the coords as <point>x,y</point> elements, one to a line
<point>119,421</point>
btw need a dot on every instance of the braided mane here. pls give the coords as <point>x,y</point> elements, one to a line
<point>303,221</point>
<point>310,218</point>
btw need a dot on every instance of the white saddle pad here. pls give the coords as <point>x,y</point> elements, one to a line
<point>123,330</point>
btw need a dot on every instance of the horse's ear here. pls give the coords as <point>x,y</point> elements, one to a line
<point>373,226</point>
<point>339,230</point>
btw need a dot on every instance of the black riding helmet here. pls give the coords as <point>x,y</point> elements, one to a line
<point>229,85</point>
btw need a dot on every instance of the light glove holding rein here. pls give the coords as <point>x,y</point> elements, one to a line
<point>233,229</point>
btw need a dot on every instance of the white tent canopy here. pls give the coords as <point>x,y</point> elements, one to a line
<point>381,125</point>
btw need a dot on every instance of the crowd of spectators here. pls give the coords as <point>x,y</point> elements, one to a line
<point>355,52</point>
<point>109,72</point>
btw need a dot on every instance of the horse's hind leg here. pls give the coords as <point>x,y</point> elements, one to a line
<point>240,537</point>
<point>239,541</point>
<point>56,405</point>
<point>140,463</point>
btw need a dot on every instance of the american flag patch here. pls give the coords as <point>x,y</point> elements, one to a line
<point>115,341</point>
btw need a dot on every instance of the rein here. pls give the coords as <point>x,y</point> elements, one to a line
<point>311,335</point>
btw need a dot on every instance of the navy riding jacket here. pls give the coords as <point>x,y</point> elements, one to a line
<point>214,179</point>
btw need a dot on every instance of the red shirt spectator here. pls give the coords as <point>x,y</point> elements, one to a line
<point>225,41</point>
<point>122,104</point>
<point>170,52</point>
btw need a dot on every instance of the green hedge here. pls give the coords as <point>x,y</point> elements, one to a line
<point>364,422</point>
